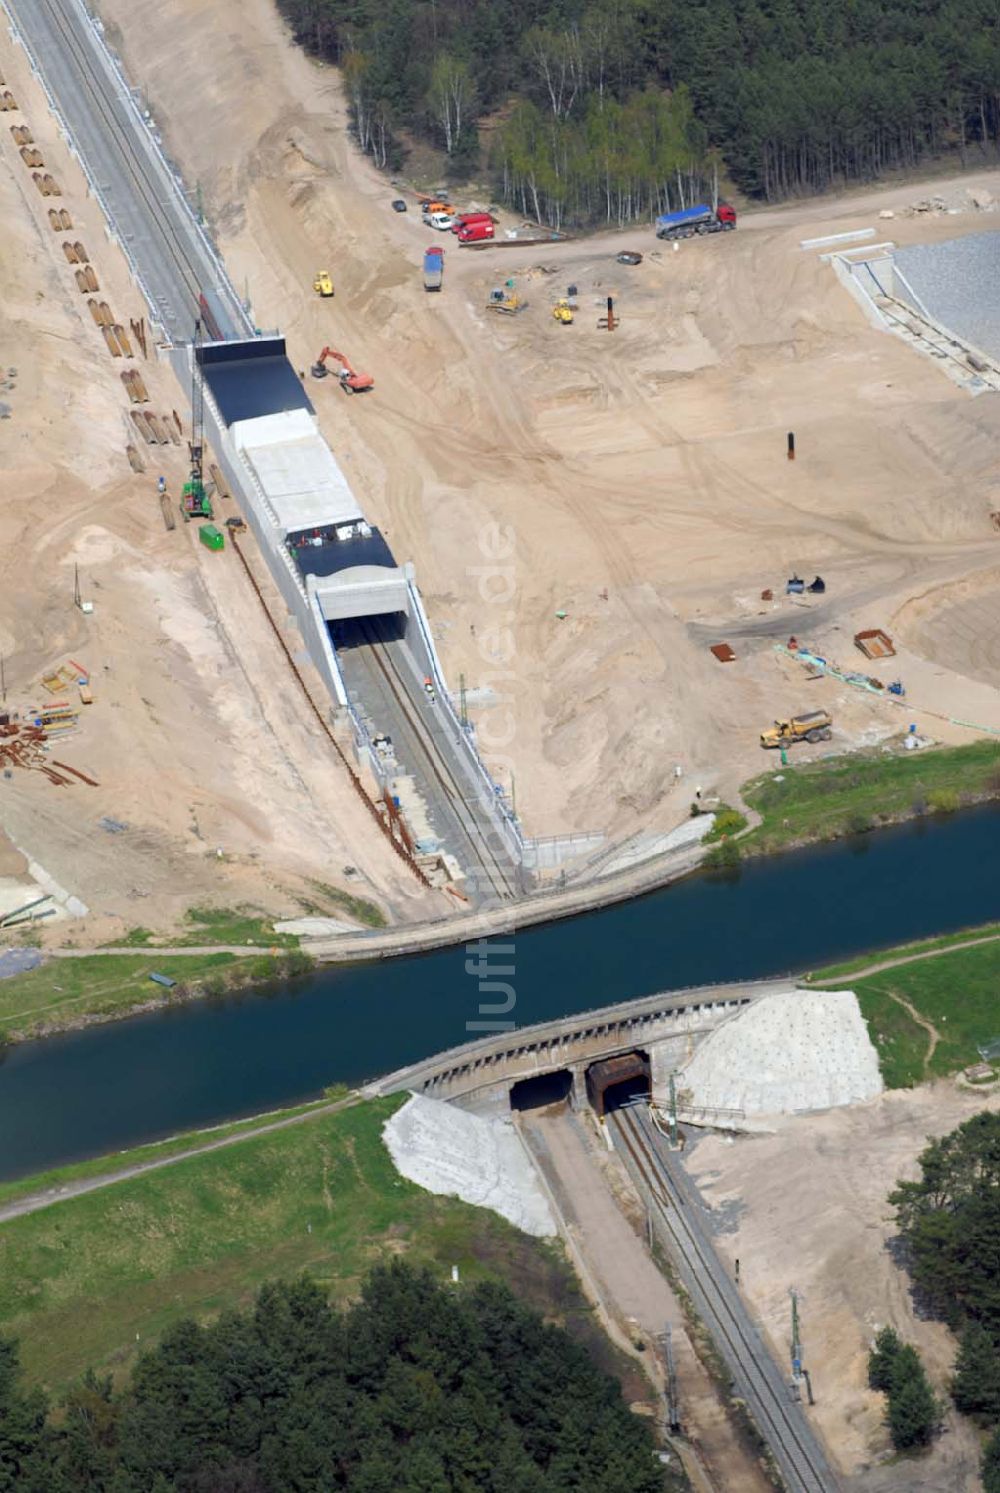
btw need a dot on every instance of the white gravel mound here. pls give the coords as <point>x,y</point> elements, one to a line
<point>446,1150</point>
<point>793,1051</point>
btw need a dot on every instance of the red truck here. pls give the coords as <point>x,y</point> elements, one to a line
<point>462,219</point>
<point>473,227</point>
<point>475,233</point>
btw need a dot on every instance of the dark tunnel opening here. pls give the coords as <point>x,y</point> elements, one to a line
<point>542,1090</point>
<point>634,1090</point>
<point>615,1082</point>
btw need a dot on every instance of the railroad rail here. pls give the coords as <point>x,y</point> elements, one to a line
<point>779,1418</point>
<point>356,782</point>
<point>139,193</point>
<point>140,174</point>
<point>473,825</point>
<point>176,264</point>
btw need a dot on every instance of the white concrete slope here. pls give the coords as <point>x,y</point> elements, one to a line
<point>788,1052</point>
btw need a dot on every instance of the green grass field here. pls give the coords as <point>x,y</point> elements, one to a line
<point>247,925</point>
<point>956,992</point>
<point>90,1281</point>
<point>60,991</point>
<point>214,925</point>
<point>191,1140</point>
<point>853,794</point>
<point>905,951</point>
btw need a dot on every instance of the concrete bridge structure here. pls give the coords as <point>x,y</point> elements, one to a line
<point>662,1031</point>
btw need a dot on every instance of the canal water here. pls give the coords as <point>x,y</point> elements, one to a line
<point>109,1087</point>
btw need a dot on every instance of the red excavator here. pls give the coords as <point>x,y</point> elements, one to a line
<point>350,379</point>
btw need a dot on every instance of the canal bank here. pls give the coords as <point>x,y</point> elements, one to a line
<point>105,1088</point>
<point>817,802</point>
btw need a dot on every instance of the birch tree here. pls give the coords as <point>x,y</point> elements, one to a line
<point>452,98</point>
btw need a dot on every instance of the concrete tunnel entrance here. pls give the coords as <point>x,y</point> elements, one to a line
<point>356,632</point>
<point>616,1082</point>
<point>541,1090</point>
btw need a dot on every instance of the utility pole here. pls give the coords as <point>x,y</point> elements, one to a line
<point>796,1340</point>
<point>463,706</point>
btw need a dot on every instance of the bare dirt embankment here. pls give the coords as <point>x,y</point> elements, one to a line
<point>228,791</point>
<point>642,473</point>
<point>806,1208</point>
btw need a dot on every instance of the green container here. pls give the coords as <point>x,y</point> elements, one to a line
<point>211,537</point>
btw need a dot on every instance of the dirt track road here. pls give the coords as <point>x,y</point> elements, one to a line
<point>33,1202</point>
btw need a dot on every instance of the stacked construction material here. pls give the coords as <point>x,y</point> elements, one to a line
<point>56,719</point>
<point>25,745</point>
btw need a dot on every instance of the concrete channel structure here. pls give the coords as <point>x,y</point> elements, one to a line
<point>359,611</point>
<point>663,1029</point>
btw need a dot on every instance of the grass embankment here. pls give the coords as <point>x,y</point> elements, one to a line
<point>828,800</point>
<point>214,925</point>
<point>247,925</point>
<point>66,992</point>
<point>62,1177</point>
<point>333,899</point>
<point>929,1016</point>
<point>90,1281</point>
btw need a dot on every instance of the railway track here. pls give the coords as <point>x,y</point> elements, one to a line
<point>140,174</point>
<point>183,268</point>
<point>149,213</point>
<point>474,826</point>
<point>778,1417</point>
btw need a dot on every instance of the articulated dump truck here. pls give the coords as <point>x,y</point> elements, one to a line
<point>815,725</point>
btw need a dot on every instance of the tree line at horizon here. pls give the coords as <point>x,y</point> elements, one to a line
<point>616,111</point>
<point>414,1388</point>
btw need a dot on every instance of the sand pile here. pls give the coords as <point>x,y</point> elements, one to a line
<point>792,1051</point>
<point>482,1161</point>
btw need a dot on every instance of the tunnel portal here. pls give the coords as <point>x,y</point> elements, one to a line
<point>541,1090</point>
<point>614,1082</point>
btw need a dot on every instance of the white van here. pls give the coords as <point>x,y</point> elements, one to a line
<point>443,221</point>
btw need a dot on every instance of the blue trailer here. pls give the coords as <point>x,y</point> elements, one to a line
<point>433,268</point>
<point>691,220</point>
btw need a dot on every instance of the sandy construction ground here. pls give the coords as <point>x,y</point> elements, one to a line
<point>806,1207</point>
<point>198,735</point>
<point>642,476</point>
<point>643,473</point>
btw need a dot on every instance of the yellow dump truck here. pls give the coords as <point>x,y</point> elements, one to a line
<point>815,725</point>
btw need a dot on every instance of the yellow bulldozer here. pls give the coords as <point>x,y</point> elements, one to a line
<point>505,299</point>
<point>815,725</point>
<point>563,312</point>
<point>322,284</point>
